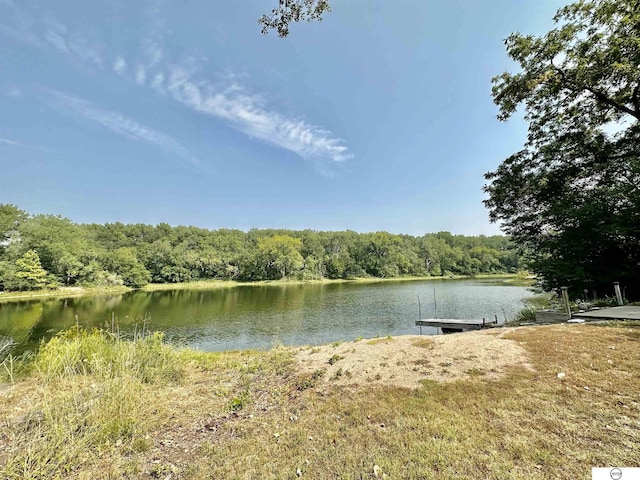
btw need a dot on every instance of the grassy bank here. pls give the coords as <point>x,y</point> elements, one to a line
<point>68,292</point>
<point>206,284</point>
<point>90,406</point>
<point>62,292</point>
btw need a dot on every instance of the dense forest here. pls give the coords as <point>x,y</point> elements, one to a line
<point>41,251</point>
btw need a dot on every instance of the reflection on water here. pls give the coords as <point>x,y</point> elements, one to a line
<point>261,316</point>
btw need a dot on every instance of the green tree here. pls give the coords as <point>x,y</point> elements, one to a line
<point>60,244</point>
<point>157,256</point>
<point>280,255</point>
<point>28,273</point>
<point>126,265</point>
<point>10,219</point>
<point>570,197</point>
<point>94,275</point>
<point>380,256</point>
<point>232,248</point>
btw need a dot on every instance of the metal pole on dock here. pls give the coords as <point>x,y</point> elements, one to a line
<point>435,304</point>
<point>420,313</point>
<point>565,300</point>
<point>616,287</point>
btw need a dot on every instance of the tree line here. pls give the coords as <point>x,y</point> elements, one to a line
<point>41,251</point>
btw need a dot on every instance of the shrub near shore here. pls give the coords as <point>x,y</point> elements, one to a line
<point>93,406</point>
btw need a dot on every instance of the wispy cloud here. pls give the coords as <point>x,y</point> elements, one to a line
<point>230,101</point>
<point>227,99</point>
<point>153,51</point>
<point>13,143</point>
<point>120,124</point>
<point>250,114</point>
<point>120,66</point>
<point>13,92</point>
<point>141,75</point>
<point>157,82</point>
<point>9,142</point>
<point>73,43</point>
<point>18,24</point>
<point>55,35</point>
<point>43,30</point>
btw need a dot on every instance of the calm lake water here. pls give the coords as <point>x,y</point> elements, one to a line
<point>262,316</point>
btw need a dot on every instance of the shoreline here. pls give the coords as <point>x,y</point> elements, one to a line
<point>72,292</point>
<point>154,411</point>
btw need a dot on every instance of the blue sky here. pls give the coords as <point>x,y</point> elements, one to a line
<point>378,118</point>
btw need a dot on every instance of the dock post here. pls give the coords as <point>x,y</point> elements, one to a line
<point>565,300</point>
<point>616,287</point>
<point>420,313</point>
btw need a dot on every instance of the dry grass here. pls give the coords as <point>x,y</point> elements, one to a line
<point>253,415</point>
<point>376,341</point>
<point>425,342</point>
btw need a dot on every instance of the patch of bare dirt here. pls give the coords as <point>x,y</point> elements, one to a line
<point>406,361</point>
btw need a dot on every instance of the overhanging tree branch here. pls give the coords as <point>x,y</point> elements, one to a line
<point>289,11</point>
<point>607,100</point>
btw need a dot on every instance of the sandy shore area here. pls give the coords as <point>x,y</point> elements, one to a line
<point>408,360</point>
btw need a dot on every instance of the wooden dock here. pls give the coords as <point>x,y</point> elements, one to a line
<point>628,312</point>
<point>453,325</point>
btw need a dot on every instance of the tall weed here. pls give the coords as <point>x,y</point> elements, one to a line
<point>104,356</point>
<point>93,394</point>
